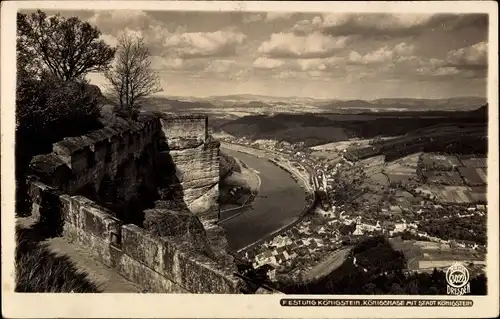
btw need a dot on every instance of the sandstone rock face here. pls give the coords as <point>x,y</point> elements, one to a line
<point>188,163</point>
<point>178,223</point>
<point>180,247</point>
<point>184,127</point>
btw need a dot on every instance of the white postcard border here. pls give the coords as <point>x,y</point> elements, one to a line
<point>15,305</point>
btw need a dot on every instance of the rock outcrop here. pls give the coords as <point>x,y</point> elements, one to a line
<point>169,161</point>
<point>172,221</point>
<point>189,163</point>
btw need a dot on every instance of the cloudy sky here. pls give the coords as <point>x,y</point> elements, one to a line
<point>325,55</point>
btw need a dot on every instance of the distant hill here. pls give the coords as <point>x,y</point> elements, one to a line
<point>255,104</point>
<point>451,104</point>
<point>308,128</point>
<point>263,101</point>
<point>315,129</point>
<point>158,103</point>
<point>483,110</point>
<point>265,98</point>
<point>243,97</point>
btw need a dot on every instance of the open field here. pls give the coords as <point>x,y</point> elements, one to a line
<point>373,161</point>
<point>410,161</point>
<point>398,169</point>
<point>423,256</point>
<point>454,194</point>
<point>379,179</point>
<point>445,162</point>
<point>332,262</point>
<point>473,176</point>
<point>472,161</point>
<point>399,178</point>
<point>431,264</point>
<point>451,178</point>
<point>446,180</point>
<point>339,146</point>
<point>330,155</point>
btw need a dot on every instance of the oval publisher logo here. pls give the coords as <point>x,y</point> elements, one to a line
<point>457,277</point>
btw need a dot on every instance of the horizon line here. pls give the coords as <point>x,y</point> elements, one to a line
<point>163,94</point>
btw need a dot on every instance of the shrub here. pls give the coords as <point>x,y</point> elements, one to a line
<point>47,110</point>
<point>47,103</point>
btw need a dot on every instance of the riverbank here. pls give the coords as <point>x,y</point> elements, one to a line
<point>238,190</point>
<point>279,202</point>
<point>310,199</point>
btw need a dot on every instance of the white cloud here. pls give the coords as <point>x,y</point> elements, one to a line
<point>290,45</point>
<point>314,64</point>
<point>220,66</point>
<point>377,23</point>
<point>267,63</point>
<point>253,17</point>
<point>404,49</point>
<point>385,54</point>
<point>115,21</point>
<point>271,16</point>
<point>446,71</point>
<point>204,44</point>
<point>177,64</point>
<point>287,74</point>
<point>316,74</point>
<point>430,70</point>
<point>307,26</point>
<point>241,75</point>
<point>474,55</point>
<point>381,55</point>
<point>468,62</point>
<point>109,39</point>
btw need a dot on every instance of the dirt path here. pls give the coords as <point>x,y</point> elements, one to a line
<point>106,279</point>
<point>327,266</point>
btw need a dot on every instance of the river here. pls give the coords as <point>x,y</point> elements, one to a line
<point>280,201</point>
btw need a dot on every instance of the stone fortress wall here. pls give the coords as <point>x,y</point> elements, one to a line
<point>195,156</point>
<point>162,256</point>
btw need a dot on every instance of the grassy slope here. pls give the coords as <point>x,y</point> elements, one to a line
<point>38,269</point>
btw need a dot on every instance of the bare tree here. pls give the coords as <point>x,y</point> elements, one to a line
<point>65,47</point>
<point>131,79</point>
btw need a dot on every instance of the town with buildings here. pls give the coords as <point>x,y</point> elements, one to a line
<point>409,206</point>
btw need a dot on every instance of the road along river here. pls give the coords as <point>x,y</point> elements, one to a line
<point>279,202</point>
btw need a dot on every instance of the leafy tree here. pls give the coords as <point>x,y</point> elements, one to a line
<point>348,184</point>
<point>412,287</point>
<point>53,56</point>
<point>65,47</point>
<point>131,78</point>
<point>396,289</point>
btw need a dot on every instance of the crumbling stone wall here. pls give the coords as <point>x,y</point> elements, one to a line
<point>179,248</point>
<point>77,162</point>
<point>160,264</point>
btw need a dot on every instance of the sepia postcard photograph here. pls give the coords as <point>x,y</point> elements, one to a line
<point>249,159</point>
